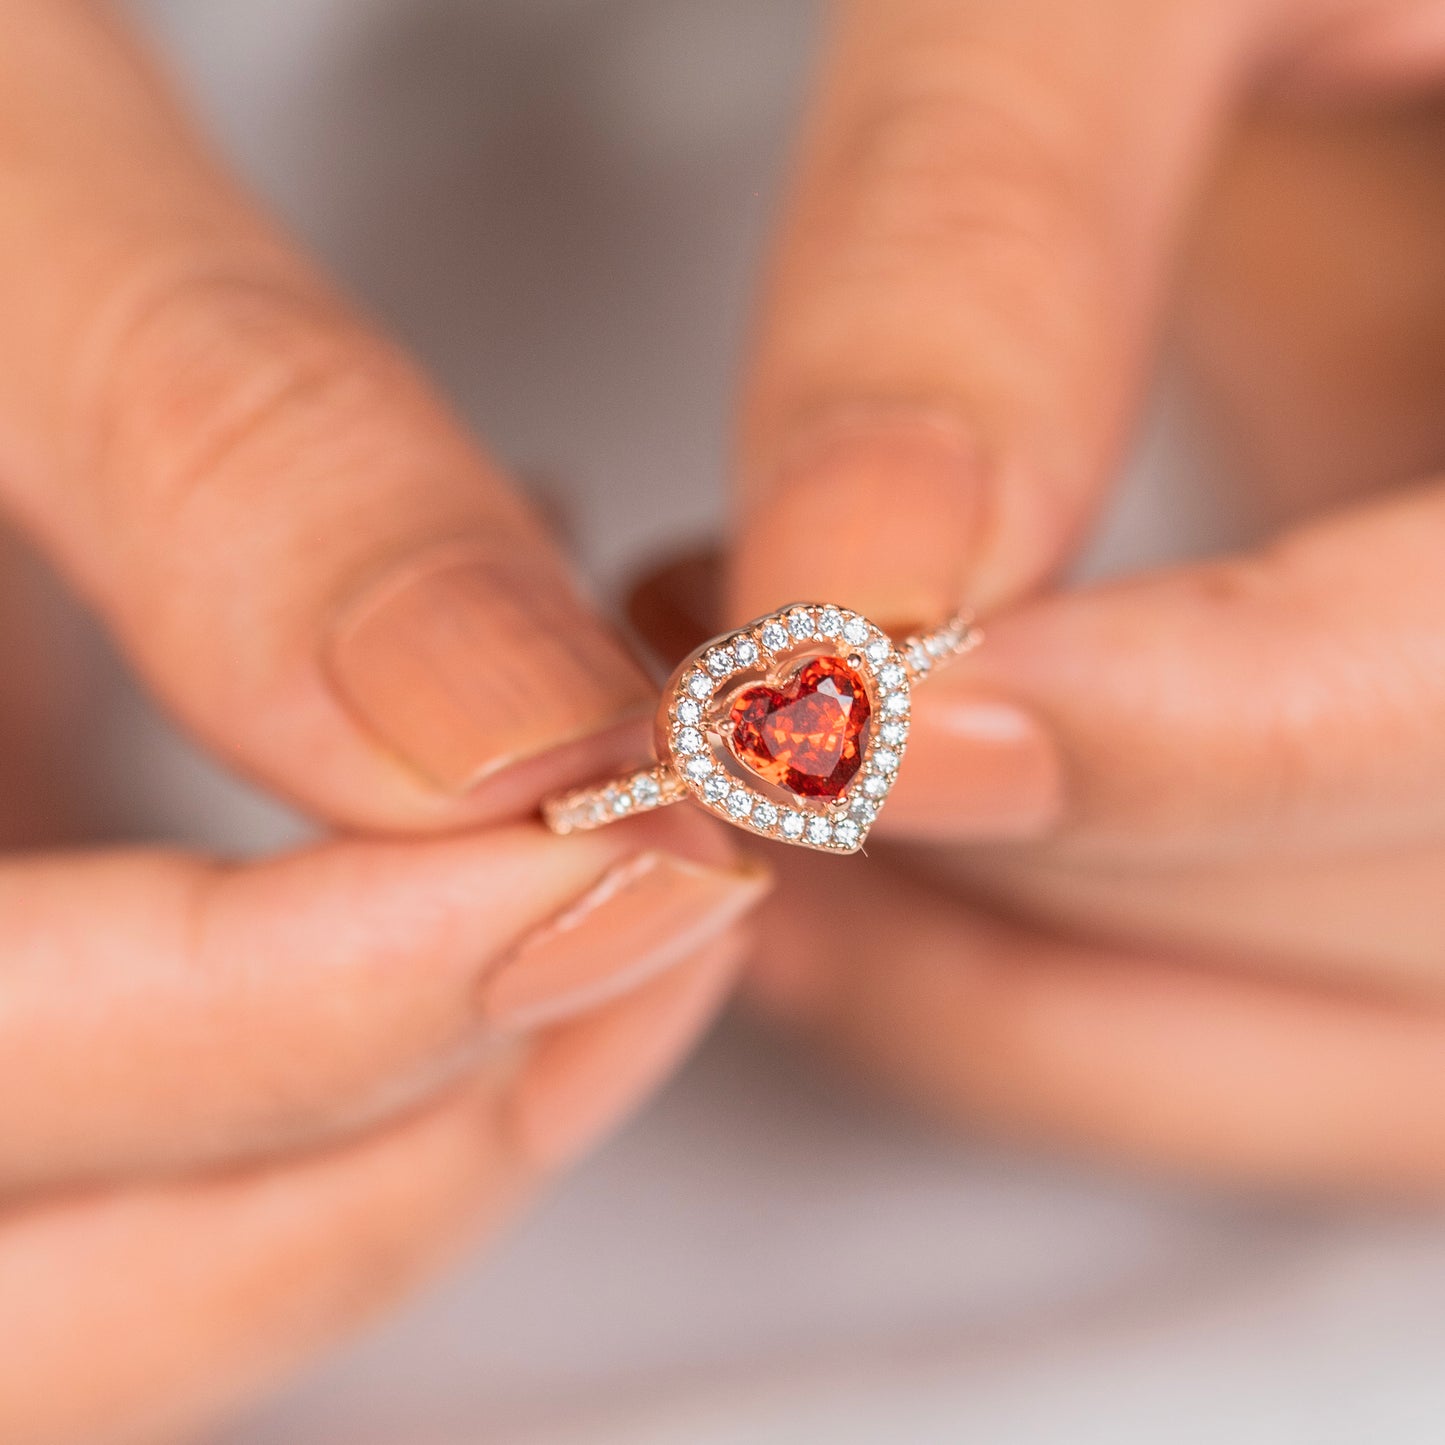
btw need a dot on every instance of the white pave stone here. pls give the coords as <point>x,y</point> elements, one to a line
<point>792,825</point>
<point>863,810</point>
<point>719,661</point>
<point>874,786</point>
<point>745,652</point>
<point>764,817</point>
<point>800,624</point>
<point>884,760</point>
<point>645,791</point>
<point>894,733</point>
<point>891,677</point>
<point>877,651</point>
<point>689,711</point>
<point>820,830</point>
<point>830,622</point>
<point>855,632</point>
<point>621,805</point>
<point>775,636</point>
<point>688,740</point>
<point>716,788</point>
<point>697,767</point>
<point>740,803</point>
<point>699,684</point>
<point>896,704</point>
<point>846,832</point>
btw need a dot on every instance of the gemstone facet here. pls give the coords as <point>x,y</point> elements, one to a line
<point>809,736</point>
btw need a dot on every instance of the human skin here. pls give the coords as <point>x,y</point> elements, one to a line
<point>245,1106</point>
<point>1167,882</point>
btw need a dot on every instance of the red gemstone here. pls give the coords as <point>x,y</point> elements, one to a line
<point>808,736</point>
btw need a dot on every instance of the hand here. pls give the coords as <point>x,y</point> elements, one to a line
<point>1175,890</point>
<point>243,1107</point>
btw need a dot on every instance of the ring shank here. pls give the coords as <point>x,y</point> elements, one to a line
<point>603,803</point>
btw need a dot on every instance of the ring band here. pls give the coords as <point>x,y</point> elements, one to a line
<point>792,727</point>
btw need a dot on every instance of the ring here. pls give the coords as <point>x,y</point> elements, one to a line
<point>792,727</point>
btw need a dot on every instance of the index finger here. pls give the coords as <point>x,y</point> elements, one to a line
<point>287,531</point>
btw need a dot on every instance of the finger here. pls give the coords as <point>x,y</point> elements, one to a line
<point>289,533</point>
<point>158,1012</point>
<point>1291,699</point>
<point>225,1285</point>
<point>46,799</point>
<point>967,277</point>
<point>677,605</point>
<point>1127,1055</point>
<point>1321,405</point>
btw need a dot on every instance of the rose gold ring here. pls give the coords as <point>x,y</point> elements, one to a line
<point>792,727</point>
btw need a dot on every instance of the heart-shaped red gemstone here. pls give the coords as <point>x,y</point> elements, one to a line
<point>807,737</point>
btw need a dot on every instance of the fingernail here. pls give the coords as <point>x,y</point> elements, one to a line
<point>464,662</point>
<point>977,768</point>
<point>876,508</point>
<point>644,916</point>
<point>582,1079</point>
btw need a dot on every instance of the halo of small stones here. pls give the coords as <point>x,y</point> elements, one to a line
<point>840,826</point>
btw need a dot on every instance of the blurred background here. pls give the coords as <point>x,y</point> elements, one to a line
<point>559,205</point>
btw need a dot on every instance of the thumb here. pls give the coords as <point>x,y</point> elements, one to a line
<point>965,284</point>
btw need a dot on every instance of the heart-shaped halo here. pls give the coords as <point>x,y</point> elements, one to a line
<point>760,665</point>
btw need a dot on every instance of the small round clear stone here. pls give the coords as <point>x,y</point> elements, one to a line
<point>846,832</point>
<point>877,651</point>
<point>800,624</point>
<point>645,791</point>
<point>621,804</point>
<point>896,704</point>
<point>716,788</point>
<point>699,684</point>
<point>791,825</point>
<point>892,677</point>
<point>862,810</point>
<point>720,661</point>
<point>775,636</point>
<point>745,652</point>
<point>894,733</point>
<point>875,786</point>
<point>764,816</point>
<point>855,631</point>
<point>689,740</point>
<point>830,622</point>
<point>697,767</point>
<point>740,803</point>
<point>919,660</point>
<point>884,760</point>
<point>689,711</point>
<point>819,830</point>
